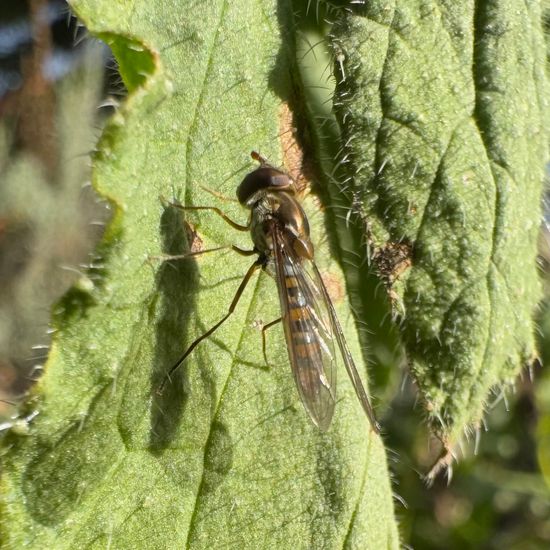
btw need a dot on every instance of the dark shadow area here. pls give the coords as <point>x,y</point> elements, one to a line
<point>176,279</point>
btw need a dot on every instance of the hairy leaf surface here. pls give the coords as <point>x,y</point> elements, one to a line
<point>226,456</point>
<point>444,115</point>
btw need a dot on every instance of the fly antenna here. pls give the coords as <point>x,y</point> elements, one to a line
<point>256,156</point>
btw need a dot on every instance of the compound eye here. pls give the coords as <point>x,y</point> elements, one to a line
<point>264,177</point>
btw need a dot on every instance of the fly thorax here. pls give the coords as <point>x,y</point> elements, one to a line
<point>262,216</point>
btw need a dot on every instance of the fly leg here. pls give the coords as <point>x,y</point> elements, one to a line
<point>251,270</point>
<point>264,328</point>
<point>219,195</point>
<point>235,225</point>
<point>168,257</point>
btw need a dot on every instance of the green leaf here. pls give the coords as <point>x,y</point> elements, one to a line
<point>310,54</point>
<point>443,110</point>
<point>226,456</point>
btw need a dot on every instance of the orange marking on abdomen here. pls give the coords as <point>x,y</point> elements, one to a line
<point>307,350</point>
<point>299,313</point>
<point>291,282</point>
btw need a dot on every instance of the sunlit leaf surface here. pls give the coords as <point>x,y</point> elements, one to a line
<point>226,457</point>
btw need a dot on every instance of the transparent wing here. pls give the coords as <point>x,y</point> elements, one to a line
<point>308,333</point>
<point>311,327</point>
<point>346,354</point>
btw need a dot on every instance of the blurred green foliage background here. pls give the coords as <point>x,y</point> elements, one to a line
<point>50,218</point>
<point>51,89</point>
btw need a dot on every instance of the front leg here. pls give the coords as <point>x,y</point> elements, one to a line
<point>215,209</point>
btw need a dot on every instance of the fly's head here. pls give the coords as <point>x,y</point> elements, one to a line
<point>271,195</point>
<point>265,178</point>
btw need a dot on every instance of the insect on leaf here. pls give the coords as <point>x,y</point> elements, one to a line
<point>226,456</point>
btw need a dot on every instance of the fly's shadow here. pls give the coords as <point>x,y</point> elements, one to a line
<point>177,284</point>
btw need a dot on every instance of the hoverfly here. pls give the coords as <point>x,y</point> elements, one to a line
<point>280,232</point>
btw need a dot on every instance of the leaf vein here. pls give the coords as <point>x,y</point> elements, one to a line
<point>208,439</point>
